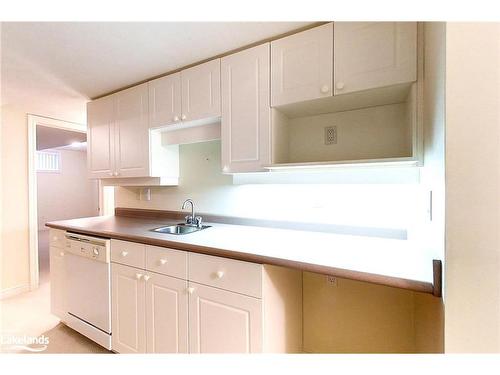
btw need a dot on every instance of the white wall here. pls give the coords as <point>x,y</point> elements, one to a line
<point>68,194</point>
<point>379,206</point>
<point>14,159</point>
<point>472,299</point>
<point>15,260</point>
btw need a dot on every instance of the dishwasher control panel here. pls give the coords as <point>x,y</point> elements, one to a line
<point>94,248</point>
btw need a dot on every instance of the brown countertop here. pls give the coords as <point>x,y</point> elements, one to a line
<point>390,262</point>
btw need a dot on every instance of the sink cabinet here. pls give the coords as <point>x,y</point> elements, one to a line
<point>173,301</point>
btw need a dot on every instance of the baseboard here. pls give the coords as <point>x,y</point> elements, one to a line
<point>10,292</point>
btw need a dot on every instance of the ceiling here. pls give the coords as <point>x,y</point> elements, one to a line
<point>47,137</point>
<point>54,68</point>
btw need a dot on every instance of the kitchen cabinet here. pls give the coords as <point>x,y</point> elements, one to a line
<point>201,91</point>
<point>302,66</point>
<point>223,321</point>
<point>128,309</point>
<point>131,132</point>
<point>165,100</point>
<point>118,134</point>
<point>246,117</point>
<point>212,305</point>
<point>374,54</point>
<point>101,137</point>
<point>166,314</point>
<point>57,273</point>
<point>149,310</point>
<point>192,95</point>
<point>121,145</point>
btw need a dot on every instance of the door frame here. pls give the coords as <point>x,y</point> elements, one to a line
<point>33,122</point>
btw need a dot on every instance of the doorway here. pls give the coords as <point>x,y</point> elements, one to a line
<point>59,188</point>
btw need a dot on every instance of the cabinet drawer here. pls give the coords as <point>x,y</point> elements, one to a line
<point>57,238</point>
<point>166,261</point>
<point>129,253</point>
<point>228,274</point>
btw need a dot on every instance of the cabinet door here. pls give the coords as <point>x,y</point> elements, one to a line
<point>201,91</point>
<point>302,66</point>
<point>100,137</point>
<point>246,129</point>
<point>57,290</point>
<point>128,315</point>
<point>223,322</point>
<point>166,314</point>
<point>374,54</point>
<point>165,100</point>
<point>132,132</point>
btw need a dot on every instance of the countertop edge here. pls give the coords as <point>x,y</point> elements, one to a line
<point>413,285</point>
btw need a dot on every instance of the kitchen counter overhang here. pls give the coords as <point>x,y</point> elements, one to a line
<point>390,262</point>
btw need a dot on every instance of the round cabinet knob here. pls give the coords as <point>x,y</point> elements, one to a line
<point>225,168</point>
<point>138,276</point>
<point>116,173</point>
<point>190,290</point>
<point>163,262</point>
<point>183,117</point>
<point>61,253</point>
<point>124,253</point>
<point>95,251</point>
<point>325,89</point>
<point>176,118</point>
<point>340,85</point>
<point>146,277</point>
<point>219,274</point>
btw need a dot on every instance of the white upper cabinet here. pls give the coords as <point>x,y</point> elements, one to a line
<point>201,91</point>
<point>121,144</point>
<point>374,54</point>
<point>165,101</point>
<point>245,126</point>
<point>132,132</point>
<point>100,134</point>
<point>302,66</point>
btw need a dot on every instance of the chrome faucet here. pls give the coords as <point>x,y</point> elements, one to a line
<point>192,220</point>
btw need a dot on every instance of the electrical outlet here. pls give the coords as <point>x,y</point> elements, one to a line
<point>332,280</point>
<point>330,135</point>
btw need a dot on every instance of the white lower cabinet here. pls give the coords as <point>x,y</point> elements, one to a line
<point>223,321</point>
<point>57,245</point>
<point>212,305</point>
<point>57,290</point>
<point>128,309</point>
<point>149,312</point>
<point>166,314</point>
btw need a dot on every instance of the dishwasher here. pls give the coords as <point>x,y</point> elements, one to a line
<point>88,287</point>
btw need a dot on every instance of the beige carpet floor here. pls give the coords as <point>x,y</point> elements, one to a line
<point>63,339</point>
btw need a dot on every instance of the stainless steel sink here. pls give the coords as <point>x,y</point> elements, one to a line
<point>179,229</point>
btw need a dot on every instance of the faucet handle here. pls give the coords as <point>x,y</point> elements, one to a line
<point>189,219</point>
<point>198,220</point>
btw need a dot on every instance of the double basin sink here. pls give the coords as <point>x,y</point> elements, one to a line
<point>179,229</point>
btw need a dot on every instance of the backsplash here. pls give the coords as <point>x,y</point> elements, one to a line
<point>390,208</point>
